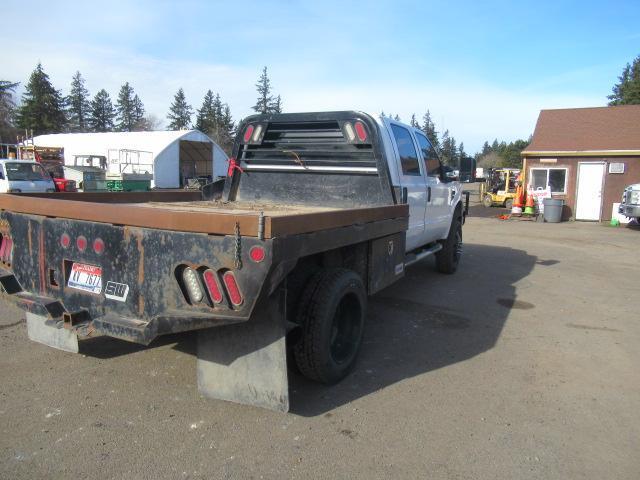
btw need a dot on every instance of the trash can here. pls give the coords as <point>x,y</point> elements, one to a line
<point>553,210</point>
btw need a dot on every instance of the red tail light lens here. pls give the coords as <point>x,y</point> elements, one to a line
<point>5,249</point>
<point>98,246</point>
<point>65,240</point>
<point>361,131</point>
<point>232,288</point>
<point>247,133</point>
<point>257,254</point>
<point>81,243</point>
<point>211,282</point>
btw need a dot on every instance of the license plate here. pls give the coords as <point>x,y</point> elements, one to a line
<point>85,277</point>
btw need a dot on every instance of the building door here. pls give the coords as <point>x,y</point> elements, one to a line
<point>589,197</point>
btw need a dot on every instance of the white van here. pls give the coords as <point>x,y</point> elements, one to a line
<point>24,176</point>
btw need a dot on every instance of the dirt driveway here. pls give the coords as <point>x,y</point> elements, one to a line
<point>522,365</point>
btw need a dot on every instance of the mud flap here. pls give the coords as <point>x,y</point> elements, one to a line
<point>60,338</point>
<point>247,363</point>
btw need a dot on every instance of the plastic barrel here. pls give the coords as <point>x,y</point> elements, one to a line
<point>553,210</point>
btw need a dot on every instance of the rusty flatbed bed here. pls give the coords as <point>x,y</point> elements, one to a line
<point>182,211</point>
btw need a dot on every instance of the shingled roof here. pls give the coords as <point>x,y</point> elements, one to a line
<point>612,130</point>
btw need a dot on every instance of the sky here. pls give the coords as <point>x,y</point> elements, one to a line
<point>483,69</point>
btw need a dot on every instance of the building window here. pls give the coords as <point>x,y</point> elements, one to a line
<point>556,178</point>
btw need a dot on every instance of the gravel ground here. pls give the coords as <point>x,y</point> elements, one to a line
<point>522,365</point>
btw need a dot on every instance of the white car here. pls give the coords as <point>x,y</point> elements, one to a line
<point>24,176</point>
<point>630,205</point>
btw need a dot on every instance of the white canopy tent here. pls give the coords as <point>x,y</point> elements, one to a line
<point>169,155</point>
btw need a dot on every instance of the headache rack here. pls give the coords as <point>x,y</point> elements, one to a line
<point>309,146</point>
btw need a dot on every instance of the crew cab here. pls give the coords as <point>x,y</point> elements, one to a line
<point>319,211</point>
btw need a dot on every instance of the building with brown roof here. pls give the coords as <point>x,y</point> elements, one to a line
<point>587,156</point>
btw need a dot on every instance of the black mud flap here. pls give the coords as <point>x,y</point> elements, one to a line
<point>247,363</point>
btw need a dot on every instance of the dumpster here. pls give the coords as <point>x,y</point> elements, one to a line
<point>553,210</point>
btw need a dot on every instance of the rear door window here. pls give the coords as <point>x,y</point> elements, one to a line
<point>407,150</point>
<point>431,160</point>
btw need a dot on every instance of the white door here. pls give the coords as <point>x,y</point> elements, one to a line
<point>589,198</point>
<point>439,197</point>
<point>413,179</point>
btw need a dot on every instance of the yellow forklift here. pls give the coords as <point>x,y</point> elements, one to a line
<point>500,187</point>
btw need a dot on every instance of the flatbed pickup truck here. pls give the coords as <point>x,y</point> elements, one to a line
<point>319,210</point>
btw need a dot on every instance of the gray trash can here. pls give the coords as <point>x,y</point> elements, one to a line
<point>553,210</point>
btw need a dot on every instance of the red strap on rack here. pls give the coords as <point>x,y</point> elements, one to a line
<point>233,165</point>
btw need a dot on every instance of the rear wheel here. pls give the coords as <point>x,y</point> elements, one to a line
<point>331,314</point>
<point>448,258</point>
<point>487,201</point>
<point>508,203</point>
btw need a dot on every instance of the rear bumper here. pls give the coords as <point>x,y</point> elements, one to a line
<point>136,330</point>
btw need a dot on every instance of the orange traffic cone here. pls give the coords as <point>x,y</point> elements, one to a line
<point>529,207</point>
<point>516,208</point>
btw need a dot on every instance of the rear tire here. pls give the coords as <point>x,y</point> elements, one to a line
<point>448,258</point>
<point>487,201</point>
<point>331,314</point>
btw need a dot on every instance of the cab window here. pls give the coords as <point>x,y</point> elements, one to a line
<point>407,150</point>
<point>432,163</point>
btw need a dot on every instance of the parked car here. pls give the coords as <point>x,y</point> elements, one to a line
<point>630,205</point>
<point>18,176</point>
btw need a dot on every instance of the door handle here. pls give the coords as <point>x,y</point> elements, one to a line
<point>428,194</point>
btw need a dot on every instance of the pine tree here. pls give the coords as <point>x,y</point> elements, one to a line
<point>264,103</point>
<point>276,107</point>
<point>42,108</point>
<point>429,130</point>
<point>180,112</point>
<point>397,118</point>
<point>139,122</point>
<point>414,122</point>
<point>126,113</point>
<point>78,105</point>
<point>461,153</point>
<point>205,118</point>
<point>627,91</point>
<point>7,106</point>
<point>102,113</point>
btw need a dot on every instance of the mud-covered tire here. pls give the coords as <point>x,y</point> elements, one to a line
<point>331,314</point>
<point>487,201</point>
<point>448,258</point>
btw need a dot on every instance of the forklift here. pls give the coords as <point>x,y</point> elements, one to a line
<point>500,187</point>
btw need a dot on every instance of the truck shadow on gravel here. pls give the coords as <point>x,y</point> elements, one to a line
<point>425,322</point>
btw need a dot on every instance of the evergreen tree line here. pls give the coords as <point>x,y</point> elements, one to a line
<point>627,90</point>
<point>44,109</point>
<point>501,154</point>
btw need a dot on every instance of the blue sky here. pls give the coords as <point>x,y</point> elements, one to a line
<point>483,69</point>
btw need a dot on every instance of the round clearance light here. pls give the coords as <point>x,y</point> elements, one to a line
<point>65,240</point>
<point>257,133</point>
<point>81,243</point>
<point>361,131</point>
<point>98,246</point>
<point>351,134</point>
<point>192,283</point>
<point>257,254</point>
<point>247,133</point>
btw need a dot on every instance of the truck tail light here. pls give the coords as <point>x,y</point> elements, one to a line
<point>5,249</point>
<point>192,284</point>
<point>257,254</point>
<point>361,131</point>
<point>65,240</point>
<point>232,288</point>
<point>81,243</point>
<point>213,288</point>
<point>248,132</point>
<point>98,246</point>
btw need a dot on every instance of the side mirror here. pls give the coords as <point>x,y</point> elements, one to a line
<point>467,170</point>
